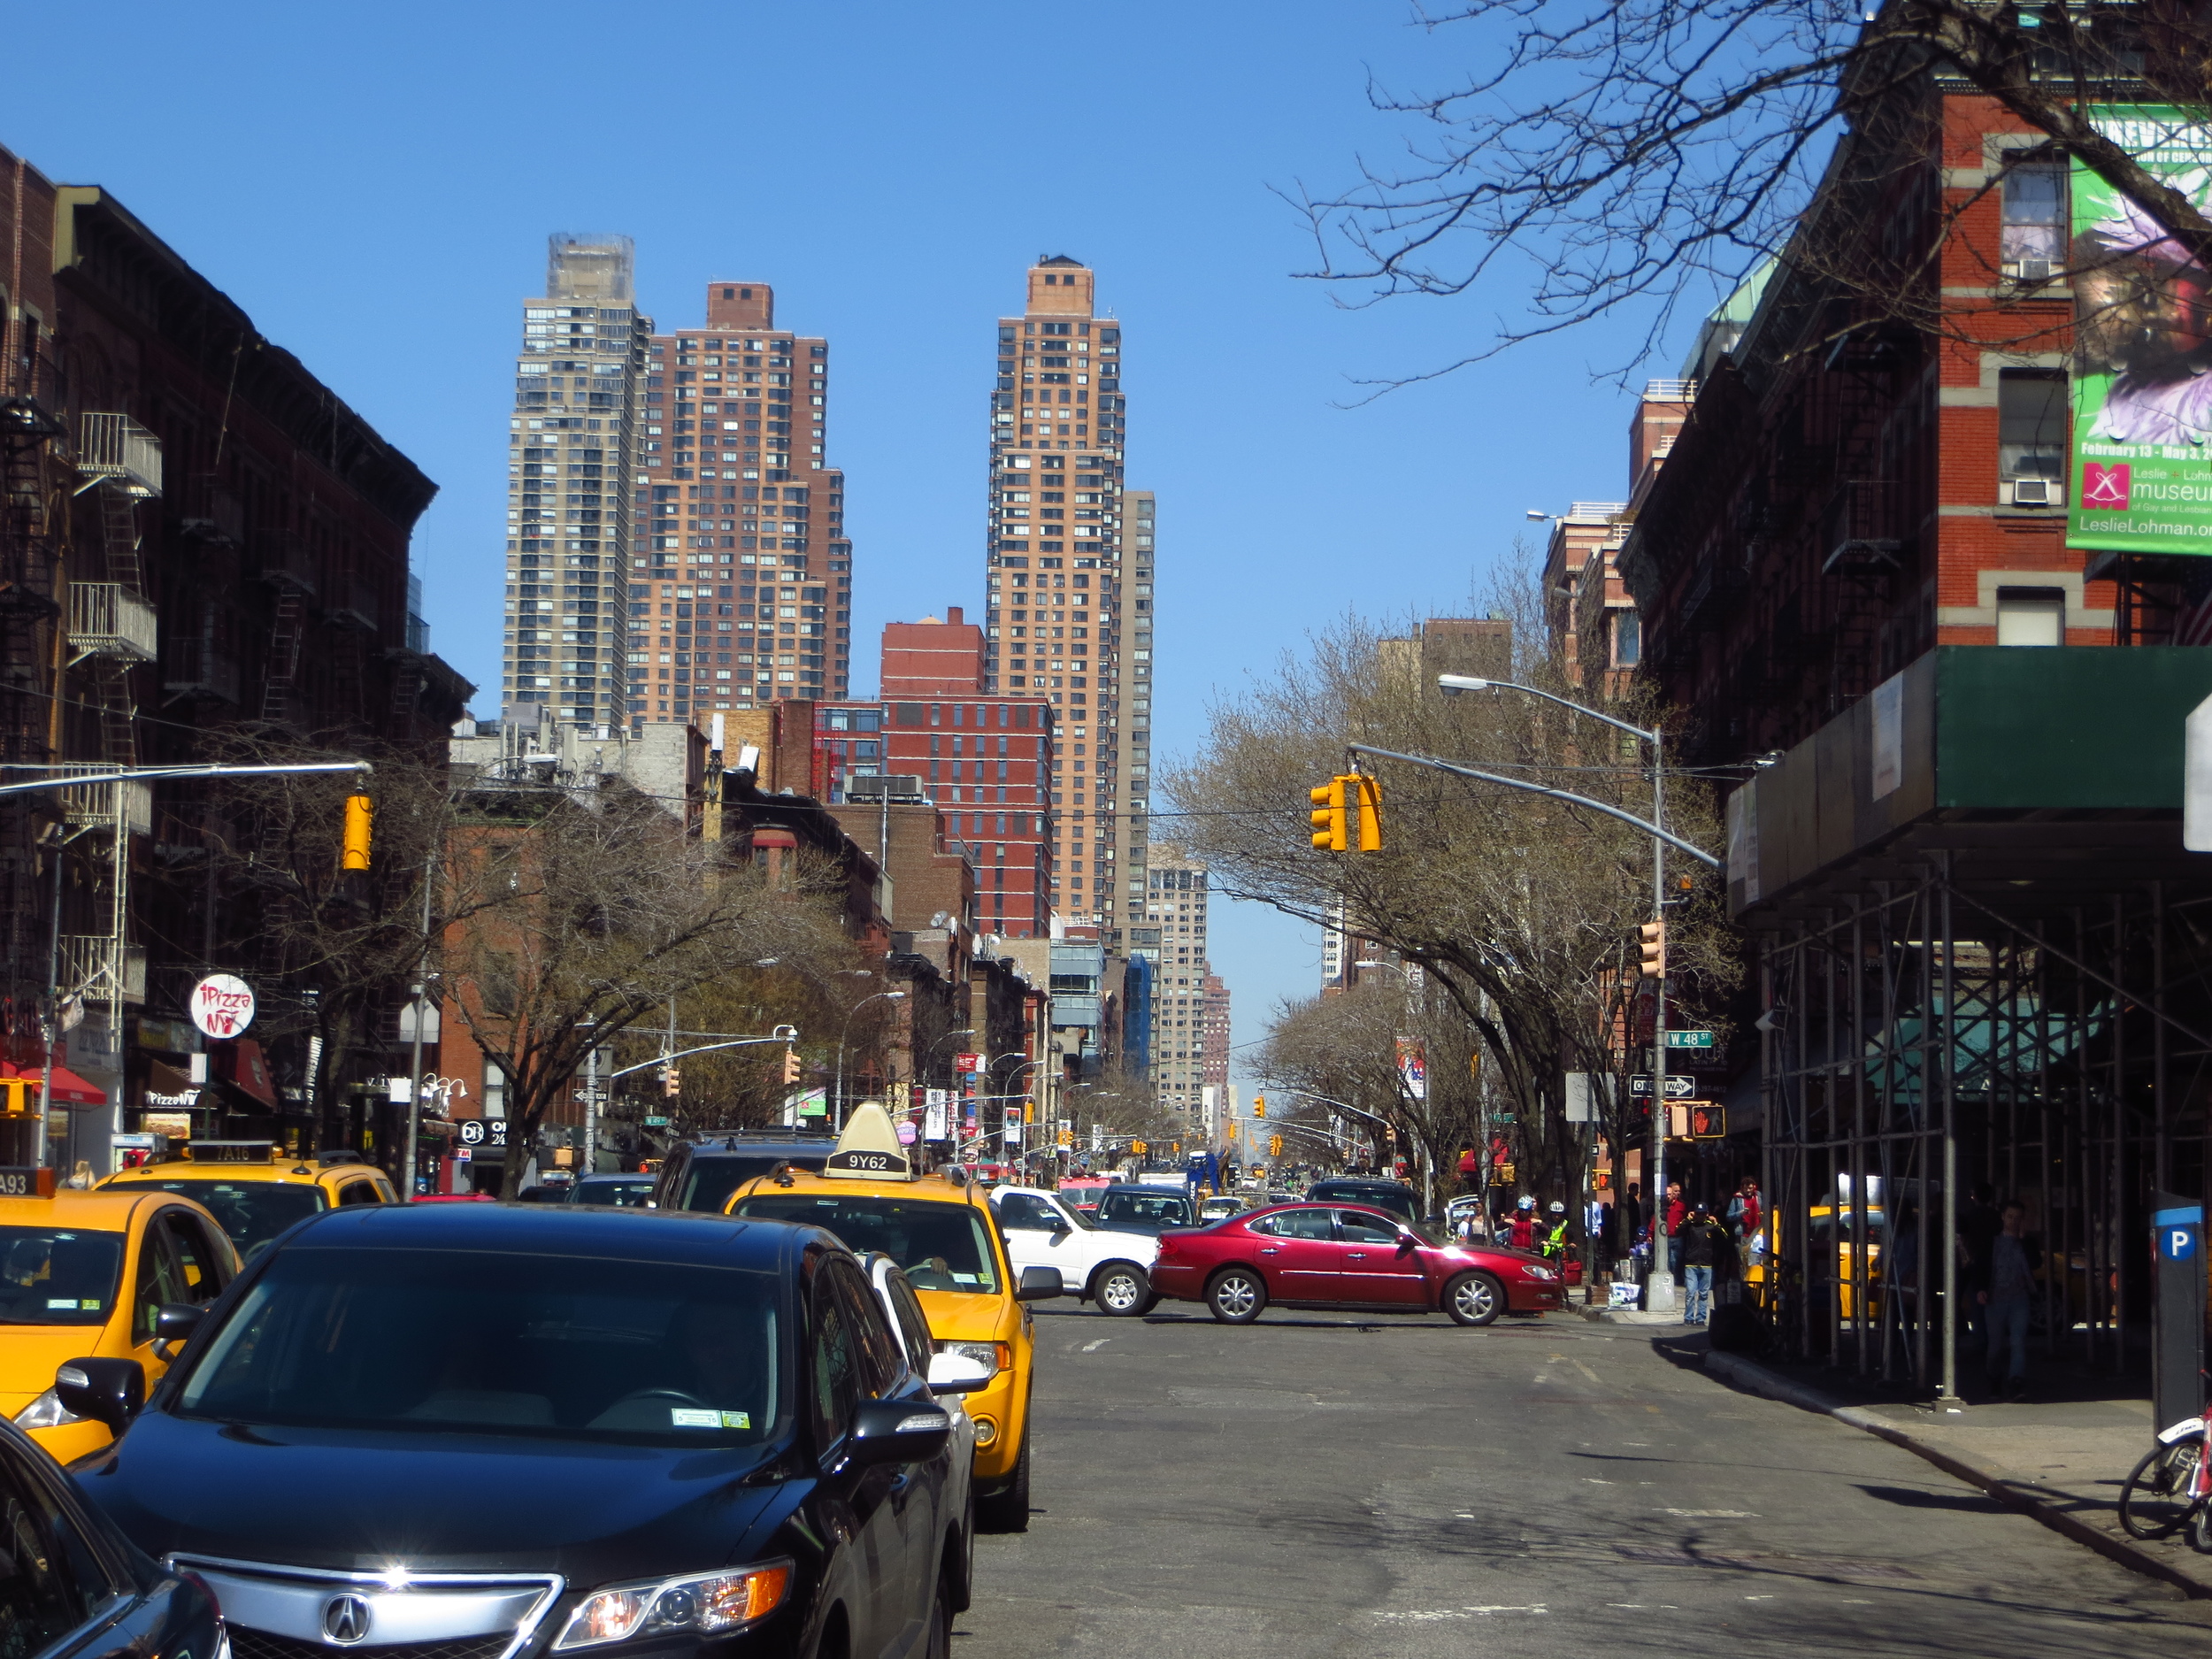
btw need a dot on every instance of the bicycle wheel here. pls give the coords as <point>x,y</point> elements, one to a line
<point>2155,1501</point>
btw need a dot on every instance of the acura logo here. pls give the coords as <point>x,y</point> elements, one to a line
<point>346,1619</point>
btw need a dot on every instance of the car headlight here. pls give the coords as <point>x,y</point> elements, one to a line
<point>1536,1270</point>
<point>713,1603</point>
<point>997,1355</point>
<point>46,1412</point>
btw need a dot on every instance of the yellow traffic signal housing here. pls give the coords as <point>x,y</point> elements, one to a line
<point>1137,1147</point>
<point>1274,1146</point>
<point>1232,1129</point>
<point>1259,1105</point>
<point>1330,830</point>
<point>18,1096</point>
<point>1653,948</point>
<point>1366,792</point>
<point>360,815</point>
<point>791,1065</point>
<point>671,1082</point>
<point>1029,1111</point>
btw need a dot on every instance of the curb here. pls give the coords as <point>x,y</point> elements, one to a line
<point>2114,1546</point>
<point>1626,1316</point>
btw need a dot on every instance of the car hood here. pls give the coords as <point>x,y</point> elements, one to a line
<point>355,1500</point>
<point>961,1316</point>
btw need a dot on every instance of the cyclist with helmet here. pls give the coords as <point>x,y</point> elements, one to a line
<point>1520,1232</point>
<point>1555,1245</point>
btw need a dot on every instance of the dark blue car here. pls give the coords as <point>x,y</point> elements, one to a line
<point>487,1431</point>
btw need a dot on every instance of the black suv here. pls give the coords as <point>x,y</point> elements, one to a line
<point>703,1175</point>
<point>1395,1197</point>
<point>488,1433</point>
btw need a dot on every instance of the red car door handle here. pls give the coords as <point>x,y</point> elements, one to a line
<point>1357,1256</point>
<point>1271,1250</point>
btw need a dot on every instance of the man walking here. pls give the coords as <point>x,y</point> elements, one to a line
<point>1677,1216</point>
<point>1703,1240</point>
<point>1746,1216</point>
<point>2005,1298</point>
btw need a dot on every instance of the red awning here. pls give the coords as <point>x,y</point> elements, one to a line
<point>69,1088</point>
<point>245,1068</point>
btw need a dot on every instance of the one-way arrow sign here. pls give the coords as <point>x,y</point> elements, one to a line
<point>1679,1086</point>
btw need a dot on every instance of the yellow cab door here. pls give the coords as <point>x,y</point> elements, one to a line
<point>182,1257</point>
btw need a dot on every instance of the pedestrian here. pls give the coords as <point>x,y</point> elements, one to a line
<point>1705,1242</point>
<point>81,1179</point>
<point>1631,1217</point>
<point>1745,1217</point>
<point>2005,1297</point>
<point>1556,1240</point>
<point>1979,1224</point>
<point>1521,1232</point>
<point>1678,1214</point>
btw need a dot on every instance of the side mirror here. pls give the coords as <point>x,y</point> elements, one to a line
<point>900,1431</point>
<point>1407,1240</point>
<point>957,1374</point>
<point>1040,1284</point>
<point>176,1321</point>
<point>1060,1228</point>
<point>109,1391</point>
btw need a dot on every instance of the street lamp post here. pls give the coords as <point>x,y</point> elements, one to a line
<point>838,1119</point>
<point>1659,1295</point>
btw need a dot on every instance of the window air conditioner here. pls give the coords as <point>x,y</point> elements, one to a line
<point>2029,270</point>
<point>2034,492</point>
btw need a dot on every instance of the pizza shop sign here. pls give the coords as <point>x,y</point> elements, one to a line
<point>222,1005</point>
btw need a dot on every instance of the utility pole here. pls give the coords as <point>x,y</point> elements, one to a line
<point>414,1061</point>
<point>710,825</point>
<point>1659,1289</point>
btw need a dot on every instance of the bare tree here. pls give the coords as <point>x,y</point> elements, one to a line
<point>568,919</point>
<point>1643,154</point>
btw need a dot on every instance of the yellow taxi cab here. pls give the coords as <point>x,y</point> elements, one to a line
<point>941,1233</point>
<point>253,1194</point>
<point>87,1275</point>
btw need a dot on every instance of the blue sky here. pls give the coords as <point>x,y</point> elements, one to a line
<point>375,185</point>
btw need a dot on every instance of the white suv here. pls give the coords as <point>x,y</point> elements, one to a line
<point>1111,1268</point>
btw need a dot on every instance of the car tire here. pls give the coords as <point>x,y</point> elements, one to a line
<point>1121,1289</point>
<point>964,1561</point>
<point>1007,1511</point>
<point>1151,1300</point>
<point>1474,1299</point>
<point>1236,1295</point>
<point>938,1645</point>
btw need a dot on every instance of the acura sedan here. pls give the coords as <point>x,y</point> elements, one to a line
<point>1339,1255</point>
<point>499,1432</point>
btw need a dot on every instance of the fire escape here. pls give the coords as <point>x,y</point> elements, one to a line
<point>110,630</point>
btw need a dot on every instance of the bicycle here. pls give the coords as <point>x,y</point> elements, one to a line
<point>2167,1490</point>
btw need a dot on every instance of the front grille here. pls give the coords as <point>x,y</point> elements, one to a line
<point>258,1644</point>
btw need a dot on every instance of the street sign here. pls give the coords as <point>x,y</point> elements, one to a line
<point>967,1063</point>
<point>221,1006</point>
<point>1679,1086</point>
<point>1689,1040</point>
<point>656,1123</point>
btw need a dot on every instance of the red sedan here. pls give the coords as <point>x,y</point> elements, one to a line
<point>1339,1255</point>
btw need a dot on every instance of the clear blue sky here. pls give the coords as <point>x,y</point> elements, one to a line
<point>375,185</point>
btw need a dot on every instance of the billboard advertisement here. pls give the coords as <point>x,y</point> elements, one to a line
<point>2142,399</point>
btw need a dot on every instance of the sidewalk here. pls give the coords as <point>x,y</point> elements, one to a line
<point>2062,1462</point>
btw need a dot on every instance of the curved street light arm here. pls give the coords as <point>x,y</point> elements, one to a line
<point>1468,682</point>
<point>788,1034</point>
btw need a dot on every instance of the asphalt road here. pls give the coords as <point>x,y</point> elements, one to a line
<point>1318,1484</point>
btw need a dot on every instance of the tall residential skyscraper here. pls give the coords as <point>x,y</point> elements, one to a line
<point>741,572</point>
<point>1055,600</point>
<point>571,454</point>
<point>1170,929</point>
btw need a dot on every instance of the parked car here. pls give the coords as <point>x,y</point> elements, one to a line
<point>951,1376</point>
<point>1395,1197</point>
<point>1338,1256</point>
<point>1145,1209</point>
<point>1220,1209</point>
<point>73,1586</point>
<point>1104,1266</point>
<point>588,1427</point>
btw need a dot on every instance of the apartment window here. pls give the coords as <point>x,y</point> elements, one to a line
<point>2031,616</point>
<point>2031,242</point>
<point>1628,639</point>
<point>2032,436</point>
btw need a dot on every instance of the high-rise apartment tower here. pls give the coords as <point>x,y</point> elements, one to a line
<point>1056,601</point>
<point>1171,930</point>
<point>571,457</point>
<point>741,570</point>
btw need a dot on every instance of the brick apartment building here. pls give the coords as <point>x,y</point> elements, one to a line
<point>201,541</point>
<point>741,569</point>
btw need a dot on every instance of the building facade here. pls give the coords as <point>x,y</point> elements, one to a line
<point>572,452</point>
<point>741,569</point>
<point>1054,568</point>
<point>1171,935</point>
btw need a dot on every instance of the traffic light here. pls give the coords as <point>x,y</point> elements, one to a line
<point>671,1081</point>
<point>1259,1105</point>
<point>1274,1146</point>
<point>1653,947</point>
<point>1029,1111</point>
<point>1366,792</point>
<point>791,1065</point>
<point>1137,1147</point>
<point>1329,828</point>
<point>1232,1129</point>
<point>360,813</point>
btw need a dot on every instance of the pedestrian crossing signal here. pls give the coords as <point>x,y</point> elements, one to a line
<point>1708,1123</point>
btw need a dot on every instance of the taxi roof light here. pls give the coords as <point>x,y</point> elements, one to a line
<point>868,1149</point>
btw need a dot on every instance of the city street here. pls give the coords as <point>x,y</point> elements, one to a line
<point>1318,1484</point>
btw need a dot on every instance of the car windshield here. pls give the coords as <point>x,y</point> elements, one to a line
<point>573,1347</point>
<point>940,1245</point>
<point>1169,1209</point>
<point>251,1212</point>
<point>622,1194</point>
<point>51,1277</point>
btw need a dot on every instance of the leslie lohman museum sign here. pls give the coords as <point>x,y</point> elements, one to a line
<point>2141,466</point>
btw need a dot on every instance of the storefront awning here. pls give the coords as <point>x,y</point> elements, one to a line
<point>69,1088</point>
<point>168,1089</point>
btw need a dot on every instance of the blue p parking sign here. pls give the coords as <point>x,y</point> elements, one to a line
<point>2179,1244</point>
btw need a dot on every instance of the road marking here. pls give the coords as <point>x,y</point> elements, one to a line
<point>1424,1616</point>
<point>1713,1515</point>
<point>1093,1346</point>
<point>1592,1480</point>
<point>1586,1370</point>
